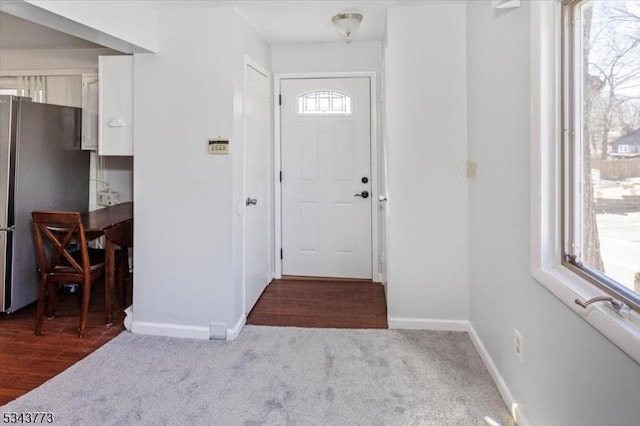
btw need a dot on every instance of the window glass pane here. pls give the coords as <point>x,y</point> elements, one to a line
<point>324,102</point>
<point>310,104</point>
<point>608,153</point>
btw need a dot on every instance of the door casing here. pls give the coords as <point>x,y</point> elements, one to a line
<point>251,63</point>
<point>373,98</point>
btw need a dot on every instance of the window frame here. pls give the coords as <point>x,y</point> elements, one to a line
<point>573,169</point>
<point>326,113</point>
<point>547,195</point>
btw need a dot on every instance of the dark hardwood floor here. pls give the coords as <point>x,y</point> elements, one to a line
<point>321,304</point>
<point>27,360</point>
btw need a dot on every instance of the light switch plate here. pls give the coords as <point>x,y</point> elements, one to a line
<point>218,146</point>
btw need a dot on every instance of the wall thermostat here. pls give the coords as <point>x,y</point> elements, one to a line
<point>218,146</point>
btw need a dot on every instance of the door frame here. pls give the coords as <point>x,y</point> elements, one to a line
<point>250,62</point>
<point>277,151</point>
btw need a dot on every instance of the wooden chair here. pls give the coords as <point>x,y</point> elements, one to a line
<point>120,235</point>
<point>63,257</point>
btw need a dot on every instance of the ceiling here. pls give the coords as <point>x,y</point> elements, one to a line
<point>305,21</point>
<point>277,21</point>
<point>280,22</point>
<point>17,33</point>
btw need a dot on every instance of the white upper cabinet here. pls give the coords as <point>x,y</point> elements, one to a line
<point>90,111</point>
<point>116,105</point>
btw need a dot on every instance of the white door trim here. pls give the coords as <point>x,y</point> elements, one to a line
<point>248,62</point>
<point>277,141</point>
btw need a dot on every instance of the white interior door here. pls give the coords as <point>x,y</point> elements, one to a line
<point>326,177</point>
<point>257,172</point>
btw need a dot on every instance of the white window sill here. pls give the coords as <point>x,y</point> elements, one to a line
<point>623,330</point>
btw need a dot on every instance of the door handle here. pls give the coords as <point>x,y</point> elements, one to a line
<point>9,229</point>
<point>252,201</point>
<point>363,194</point>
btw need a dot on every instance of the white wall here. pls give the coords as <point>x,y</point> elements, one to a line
<point>571,374</point>
<point>188,231</point>
<point>427,148</point>
<point>183,195</point>
<point>118,172</point>
<point>326,57</point>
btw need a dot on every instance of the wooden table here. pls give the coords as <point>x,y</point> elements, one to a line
<point>95,223</point>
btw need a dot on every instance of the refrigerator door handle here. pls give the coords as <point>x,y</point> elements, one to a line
<point>9,229</point>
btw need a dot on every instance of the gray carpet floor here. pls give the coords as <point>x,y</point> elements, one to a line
<point>276,376</point>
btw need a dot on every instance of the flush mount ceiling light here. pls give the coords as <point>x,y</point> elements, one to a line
<point>347,24</point>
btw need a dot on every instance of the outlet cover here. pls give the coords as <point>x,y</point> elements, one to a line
<point>518,344</point>
<point>472,169</point>
<point>108,198</point>
<point>217,331</point>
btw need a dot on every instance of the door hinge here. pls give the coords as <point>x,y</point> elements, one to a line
<point>280,175</point>
<point>280,254</point>
<point>279,99</point>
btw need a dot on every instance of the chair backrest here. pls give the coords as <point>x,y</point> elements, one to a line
<point>57,234</point>
<point>121,234</point>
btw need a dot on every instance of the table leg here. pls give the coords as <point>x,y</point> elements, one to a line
<point>109,275</point>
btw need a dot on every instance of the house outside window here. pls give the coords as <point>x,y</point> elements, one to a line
<point>601,145</point>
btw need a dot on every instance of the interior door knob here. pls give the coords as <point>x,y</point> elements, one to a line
<point>252,201</point>
<point>363,194</point>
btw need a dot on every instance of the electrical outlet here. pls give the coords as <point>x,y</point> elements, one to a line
<point>472,169</point>
<point>107,198</point>
<point>518,343</point>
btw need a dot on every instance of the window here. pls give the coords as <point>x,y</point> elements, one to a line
<point>601,130</point>
<point>28,86</point>
<point>324,103</point>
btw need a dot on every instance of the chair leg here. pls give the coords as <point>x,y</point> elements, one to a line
<point>42,297</point>
<point>123,273</point>
<point>52,293</point>
<point>86,293</point>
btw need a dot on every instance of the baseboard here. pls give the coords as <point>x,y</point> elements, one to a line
<point>233,333</point>
<point>170,330</point>
<point>427,324</point>
<point>507,396</point>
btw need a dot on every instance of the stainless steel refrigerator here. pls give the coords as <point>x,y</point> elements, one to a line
<point>42,167</point>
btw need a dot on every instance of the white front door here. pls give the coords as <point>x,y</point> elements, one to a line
<point>326,177</point>
<point>257,177</point>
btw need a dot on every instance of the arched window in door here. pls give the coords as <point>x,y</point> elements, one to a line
<point>324,102</point>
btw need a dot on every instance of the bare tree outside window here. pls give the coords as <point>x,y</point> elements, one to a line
<point>610,146</point>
